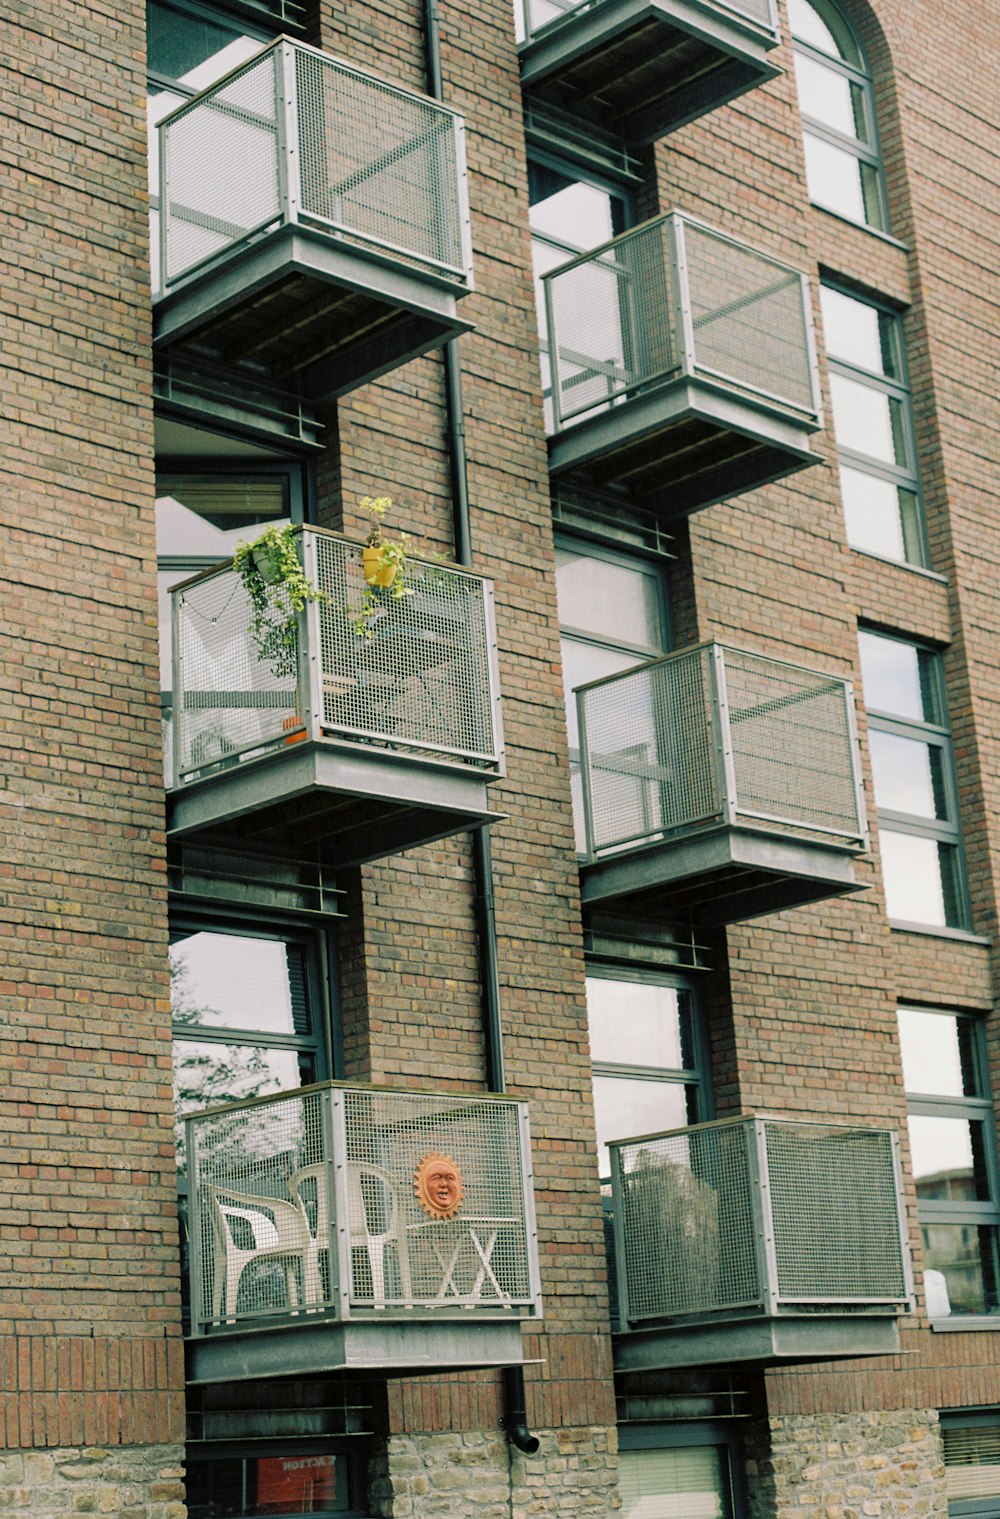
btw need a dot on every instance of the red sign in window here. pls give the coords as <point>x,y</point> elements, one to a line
<point>296,1484</point>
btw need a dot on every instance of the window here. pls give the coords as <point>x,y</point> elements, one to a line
<point>646,1054</point>
<point>613,615</point>
<point>248,1014</point>
<point>954,1159</point>
<point>971,1444</point>
<point>914,783</point>
<point>570,213</point>
<point>873,426</point>
<point>293,1478</point>
<point>678,1472</point>
<point>843,167</point>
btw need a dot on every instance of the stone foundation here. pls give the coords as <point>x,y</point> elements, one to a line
<point>479,1476</point>
<point>121,1482</point>
<point>884,1465</point>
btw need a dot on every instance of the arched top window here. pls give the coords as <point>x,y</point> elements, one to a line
<point>843,164</point>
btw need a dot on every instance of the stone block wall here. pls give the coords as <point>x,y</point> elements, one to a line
<point>127,1482</point>
<point>847,1466</point>
<point>477,1475</point>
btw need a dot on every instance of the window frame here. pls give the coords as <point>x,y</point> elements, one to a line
<point>946,831</point>
<point>977,1214</point>
<point>898,390</point>
<point>668,1436</point>
<point>696,1078</point>
<point>351,1449</point>
<point>868,154</point>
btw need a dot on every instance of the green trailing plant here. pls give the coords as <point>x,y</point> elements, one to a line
<point>278,588</point>
<point>385,562</point>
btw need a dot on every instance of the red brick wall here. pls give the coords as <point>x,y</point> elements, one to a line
<point>89,1268</point>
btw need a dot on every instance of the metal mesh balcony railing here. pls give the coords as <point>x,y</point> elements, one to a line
<point>534,15</point>
<point>675,299</point>
<point>424,682</point>
<point>296,137</point>
<point>345,1200</point>
<point>714,735</point>
<point>759,1215</point>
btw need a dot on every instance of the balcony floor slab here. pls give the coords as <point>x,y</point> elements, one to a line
<point>727,875</point>
<point>317,312</point>
<point>759,1341</point>
<point>685,445</point>
<point>648,66</point>
<point>365,1347</point>
<point>344,804</point>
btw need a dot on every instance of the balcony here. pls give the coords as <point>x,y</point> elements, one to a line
<point>314,223</point>
<point>683,366</point>
<point>349,1228</point>
<point>761,1240</point>
<point>719,785</point>
<point>646,67</point>
<point>352,747</point>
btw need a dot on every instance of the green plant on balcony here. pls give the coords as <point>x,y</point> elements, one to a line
<point>384,563</point>
<point>279,589</point>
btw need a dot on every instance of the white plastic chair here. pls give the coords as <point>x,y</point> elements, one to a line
<point>279,1230</point>
<point>382,1201</point>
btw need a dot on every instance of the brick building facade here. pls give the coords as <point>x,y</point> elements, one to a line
<point>744,897</point>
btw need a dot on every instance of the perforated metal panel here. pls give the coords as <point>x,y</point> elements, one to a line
<point>423,681</point>
<point>759,1216</point>
<point>228,702</point>
<point>675,297</point>
<point>653,738</point>
<point>378,163</point>
<point>834,1209</point>
<point>648,761</point>
<point>295,135</point>
<point>748,318</point>
<point>423,678</point>
<point>793,749</point>
<point>222,171</point>
<point>687,1223</point>
<point>308,1202</point>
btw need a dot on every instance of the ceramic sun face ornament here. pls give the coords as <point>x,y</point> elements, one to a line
<point>437,1183</point>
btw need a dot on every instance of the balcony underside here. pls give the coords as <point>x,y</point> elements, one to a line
<point>646,67</point>
<point>763,1341</point>
<point>684,446</point>
<point>366,1347</point>
<point>338,804</point>
<point>317,313</point>
<point>725,876</point>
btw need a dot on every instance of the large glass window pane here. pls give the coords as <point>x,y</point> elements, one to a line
<point>628,1106</point>
<point>577,214</point>
<point>607,598</point>
<point>690,1482</point>
<point>833,177</point>
<point>292,1483</point>
<point>899,678</point>
<point>868,421</point>
<point>882,518</point>
<point>920,878</point>
<point>859,334</point>
<point>909,775</point>
<point>193,49</point>
<point>583,662</point>
<point>808,26</point>
<point>222,980</point>
<point>949,1163</point>
<point>938,1053</point>
<point>638,1023</point>
<point>208,1074</point>
<point>831,97</point>
<point>960,1268</point>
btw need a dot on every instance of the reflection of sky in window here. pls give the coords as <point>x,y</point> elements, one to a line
<point>911,872</point>
<point>855,332</point>
<point>865,420</point>
<point>873,515</point>
<point>229,981</point>
<point>940,1146</point>
<point>634,1023</point>
<point>907,775</point>
<point>892,677</point>
<point>183,532</point>
<point>932,1062</point>
<point>578,215</point>
<point>834,178</point>
<point>610,600</point>
<point>807,26</point>
<point>829,97</point>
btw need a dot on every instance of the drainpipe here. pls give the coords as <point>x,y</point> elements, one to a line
<point>515,1417</point>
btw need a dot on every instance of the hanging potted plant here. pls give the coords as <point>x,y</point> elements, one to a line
<point>384,563</point>
<point>278,587</point>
